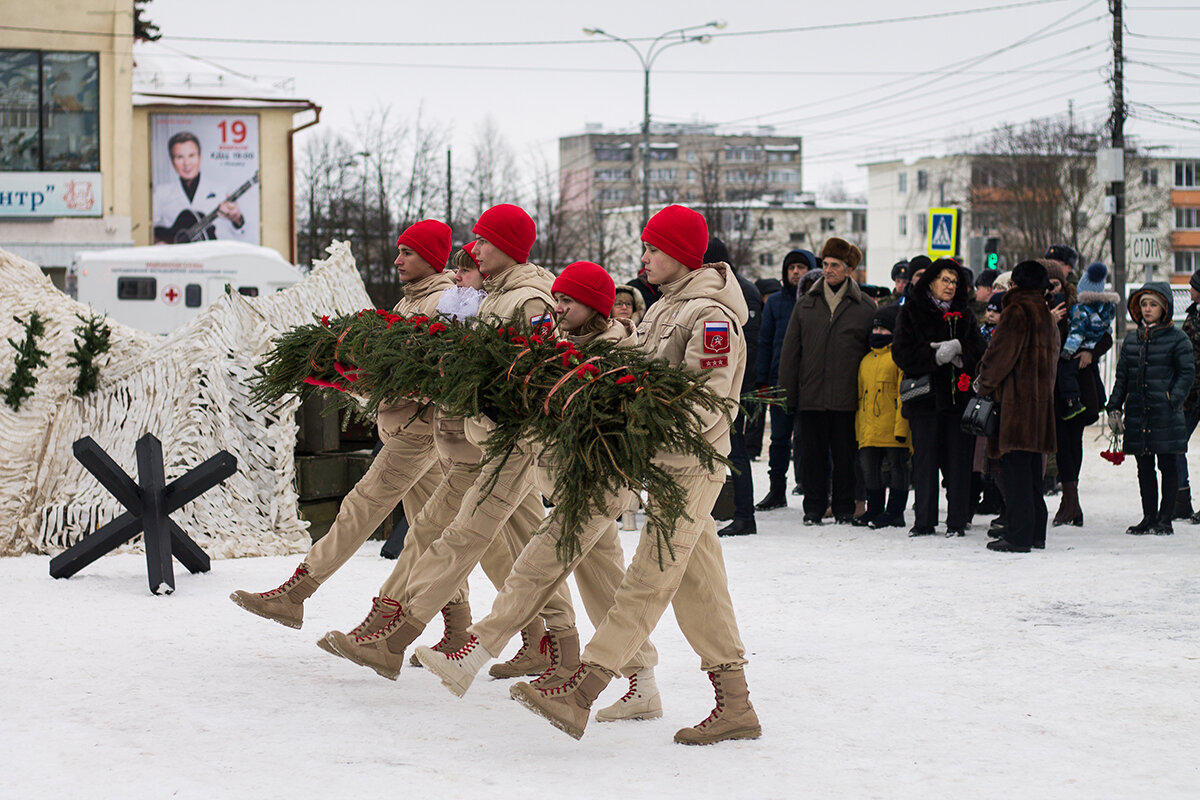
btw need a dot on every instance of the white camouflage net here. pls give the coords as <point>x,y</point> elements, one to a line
<point>190,389</point>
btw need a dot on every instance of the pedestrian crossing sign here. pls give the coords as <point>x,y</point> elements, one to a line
<point>942,233</point>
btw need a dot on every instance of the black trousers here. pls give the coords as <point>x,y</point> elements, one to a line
<point>939,442</point>
<point>1168,465</point>
<point>743,482</point>
<point>1024,505</point>
<point>1068,434</point>
<point>872,459</point>
<point>828,441</point>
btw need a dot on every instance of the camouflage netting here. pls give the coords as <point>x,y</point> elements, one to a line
<point>190,389</point>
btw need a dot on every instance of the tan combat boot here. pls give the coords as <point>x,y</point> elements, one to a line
<point>568,705</point>
<point>285,604</point>
<point>457,670</point>
<point>734,716</point>
<point>381,609</point>
<point>529,660</point>
<point>457,618</point>
<point>563,649</point>
<point>642,701</point>
<point>382,651</point>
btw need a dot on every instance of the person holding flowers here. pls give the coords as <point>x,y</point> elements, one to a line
<point>1155,371</point>
<point>937,339</point>
<point>583,295</point>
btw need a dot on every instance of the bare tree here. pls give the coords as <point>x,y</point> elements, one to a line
<point>494,174</point>
<point>325,182</point>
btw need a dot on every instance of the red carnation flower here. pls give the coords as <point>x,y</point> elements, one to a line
<point>436,327</point>
<point>564,345</point>
<point>500,331</point>
<point>1116,457</point>
<point>949,315</point>
<point>569,357</point>
<point>535,339</point>
<point>587,369</point>
<point>325,320</point>
<point>512,331</point>
<point>964,382</point>
<point>625,379</point>
<point>517,340</point>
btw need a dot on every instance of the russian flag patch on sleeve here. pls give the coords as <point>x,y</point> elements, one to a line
<point>542,321</point>
<point>716,337</point>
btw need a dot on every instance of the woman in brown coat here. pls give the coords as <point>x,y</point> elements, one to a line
<point>1018,370</point>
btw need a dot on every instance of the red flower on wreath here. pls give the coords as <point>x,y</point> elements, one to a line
<point>436,327</point>
<point>964,382</point>
<point>500,331</point>
<point>587,370</point>
<point>564,345</point>
<point>625,379</point>
<point>535,339</point>
<point>517,340</point>
<point>569,358</point>
<point>325,320</point>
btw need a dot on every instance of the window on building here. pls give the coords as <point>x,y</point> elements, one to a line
<point>1187,260</point>
<point>1150,176</point>
<point>658,153</point>
<point>858,222</point>
<point>922,180</point>
<point>49,111</point>
<point>922,225</point>
<point>902,182</point>
<point>691,176</point>
<point>1187,218</point>
<point>137,288</point>
<point>765,259</point>
<point>664,174</point>
<point>742,152</point>
<point>614,174</point>
<point>797,237</point>
<point>691,156</point>
<point>827,225</point>
<point>1187,174</point>
<point>612,152</point>
<point>613,195</point>
<point>904,225</point>
<point>783,176</point>
<point>1149,220</point>
<point>766,223</point>
<point>781,157</point>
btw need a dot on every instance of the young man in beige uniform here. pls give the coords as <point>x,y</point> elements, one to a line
<point>481,509</point>
<point>584,295</point>
<point>696,324</point>
<point>406,468</point>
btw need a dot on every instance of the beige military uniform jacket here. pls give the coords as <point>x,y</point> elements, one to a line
<point>420,297</point>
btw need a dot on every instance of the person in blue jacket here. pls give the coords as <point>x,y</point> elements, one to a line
<point>775,317</point>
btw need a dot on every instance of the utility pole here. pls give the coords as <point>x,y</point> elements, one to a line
<point>1118,143</point>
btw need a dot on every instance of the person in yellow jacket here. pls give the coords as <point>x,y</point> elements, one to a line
<point>882,432</point>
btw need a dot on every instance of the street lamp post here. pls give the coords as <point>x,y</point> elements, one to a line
<point>653,50</point>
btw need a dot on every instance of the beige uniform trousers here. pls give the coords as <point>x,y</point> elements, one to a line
<point>537,575</point>
<point>478,519</point>
<point>405,468</point>
<point>694,583</point>
<point>456,496</point>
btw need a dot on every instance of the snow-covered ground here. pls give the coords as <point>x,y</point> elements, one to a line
<point>880,667</point>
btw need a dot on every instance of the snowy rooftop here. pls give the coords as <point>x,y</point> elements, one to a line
<point>165,75</point>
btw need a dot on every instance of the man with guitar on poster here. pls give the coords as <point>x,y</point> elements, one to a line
<point>194,207</point>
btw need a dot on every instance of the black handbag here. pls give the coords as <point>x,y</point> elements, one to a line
<point>981,417</point>
<point>912,388</point>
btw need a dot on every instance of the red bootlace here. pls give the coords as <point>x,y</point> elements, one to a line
<point>547,647</point>
<point>283,587</point>
<point>392,618</point>
<point>716,690</point>
<point>445,629</point>
<point>569,686</point>
<point>632,688</point>
<point>362,626</point>
<point>464,651</point>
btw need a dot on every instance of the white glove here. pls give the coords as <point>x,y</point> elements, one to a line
<point>947,351</point>
<point>1116,422</point>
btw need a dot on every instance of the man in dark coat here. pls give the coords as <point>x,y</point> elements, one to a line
<point>777,313</point>
<point>743,483</point>
<point>1017,370</point>
<point>818,368</point>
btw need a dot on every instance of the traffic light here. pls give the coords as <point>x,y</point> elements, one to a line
<point>991,252</point>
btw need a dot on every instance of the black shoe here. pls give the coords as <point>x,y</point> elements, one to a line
<point>776,498</point>
<point>811,520</point>
<point>921,530</point>
<point>1162,528</point>
<point>1005,546</point>
<point>863,520</point>
<point>797,491</point>
<point>1074,408</point>
<point>886,520</point>
<point>953,533</point>
<point>739,527</point>
<point>844,519</point>
<point>1183,504</point>
<point>1142,528</point>
<point>1040,545</point>
<point>1076,521</point>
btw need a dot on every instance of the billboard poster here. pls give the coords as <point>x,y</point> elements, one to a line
<point>204,168</point>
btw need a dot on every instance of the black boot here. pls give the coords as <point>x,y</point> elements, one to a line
<point>1183,503</point>
<point>874,508</point>
<point>739,527</point>
<point>776,498</point>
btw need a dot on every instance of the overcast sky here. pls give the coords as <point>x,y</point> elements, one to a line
<point>855,90</point>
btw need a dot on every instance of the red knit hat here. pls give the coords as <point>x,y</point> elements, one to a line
<point>679,232</point>
<point>589,284</point>
<point>469,249</point>
<point>509,228</point>
<point>430,239</point>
